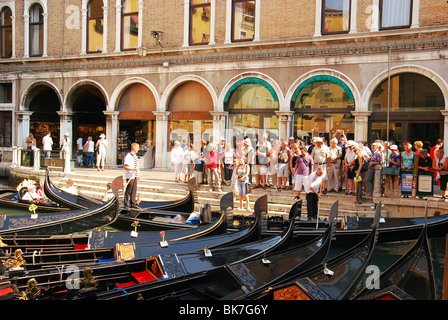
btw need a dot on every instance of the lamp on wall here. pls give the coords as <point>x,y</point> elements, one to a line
<point>158,35</point>
<point>141,51</point>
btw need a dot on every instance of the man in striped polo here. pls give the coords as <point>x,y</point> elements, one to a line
<point>131,173</point>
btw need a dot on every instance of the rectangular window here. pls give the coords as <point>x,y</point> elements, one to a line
<point>95,27</point>
<point>335,16</point>
<point>5,92</point>
<point>129,25</point>
<point>199,22</point>
<point>243,20</point>
<point>36,26</point>
<point>395,13</point>
<point>6,32</point>
<point>5,129</point>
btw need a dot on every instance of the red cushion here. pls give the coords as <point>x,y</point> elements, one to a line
<point>80,246</point>
<point>123,285</point>
<point>143,276</point>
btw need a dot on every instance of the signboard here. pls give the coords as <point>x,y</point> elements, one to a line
<point>406,182</point>
<point>425,187</point>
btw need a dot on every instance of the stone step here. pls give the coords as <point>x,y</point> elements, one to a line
<point>162,190</point>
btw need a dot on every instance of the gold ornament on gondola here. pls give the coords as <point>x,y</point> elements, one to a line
<point>33,208</point>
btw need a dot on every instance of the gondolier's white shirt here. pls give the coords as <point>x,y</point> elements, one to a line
<point>131,160</point>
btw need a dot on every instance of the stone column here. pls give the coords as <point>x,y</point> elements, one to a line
<point>361,124</point>
<point>285,121</point>
<point>111,137</point>
<point>23,127</point>
<point>161,145</point>
<point>219,125</point>
<point>66,126</point>
<point>445,130</point>
<point>377,181</point>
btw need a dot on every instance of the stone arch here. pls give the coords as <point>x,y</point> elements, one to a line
<point>258,75</point>
<point>324,72</point>
<point>182,79</point>
<point>115,97</point>
<point>430,74</point>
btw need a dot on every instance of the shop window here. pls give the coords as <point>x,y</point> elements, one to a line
<point>335,16</point>
<point>200,11</point>
<point>252,104</point>
<point>6,32</point>
<point>129,24</point>
<point>36,31</point>
<point>5,92</point>
<point>395,13</point>
<point>95,26</point>
<point>408,92</point>
<point>243,20</point>
<point>323,105</point>
<point>5,129</point>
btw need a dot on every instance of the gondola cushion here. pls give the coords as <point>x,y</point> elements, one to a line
<point>143,276</point>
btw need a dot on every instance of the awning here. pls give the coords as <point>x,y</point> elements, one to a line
<point>251,81</point>
<point>323,78</point>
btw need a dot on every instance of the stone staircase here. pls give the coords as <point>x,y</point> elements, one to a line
<point>156,185</point>
<point>279,203</point>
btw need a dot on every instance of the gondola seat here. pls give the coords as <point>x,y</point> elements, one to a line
<point>143,276</point>
<point>124,285</point>
<point>80,246</point>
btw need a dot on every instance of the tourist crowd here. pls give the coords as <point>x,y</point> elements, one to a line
<point>338,165</point>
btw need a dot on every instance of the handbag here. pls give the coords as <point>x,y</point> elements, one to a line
<point>85,148</point>
<point>391,171</point>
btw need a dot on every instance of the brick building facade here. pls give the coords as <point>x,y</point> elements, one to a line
<point>222,68</point>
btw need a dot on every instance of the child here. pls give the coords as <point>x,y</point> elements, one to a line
<point>198,168</point>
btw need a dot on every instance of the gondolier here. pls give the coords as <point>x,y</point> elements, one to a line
<point>131,173</point>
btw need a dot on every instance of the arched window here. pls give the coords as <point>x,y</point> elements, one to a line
<point>252,104</point>
<point>6,32</point>
<point>322,105</point>
<point>414,104</point>
<point>129,24</point>
<point>36,30</point>
<point>95,26</point>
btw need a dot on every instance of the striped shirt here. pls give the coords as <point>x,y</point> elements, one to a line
<point>131,160</point>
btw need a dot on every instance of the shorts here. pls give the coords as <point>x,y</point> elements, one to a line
<point>273,169</point>
<point>283,170</point>
<point>260,169</point>
<point>198,176</point>
<point>241,188</point>
<point>187,168</point>
<point>299,181</point>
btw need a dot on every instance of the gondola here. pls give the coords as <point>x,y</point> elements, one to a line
<point>99,245</point>
<point>147,244</point>
<point>410,278</point>
<point>62,223</point>
<point>81,201</point>
<point>334,279</point>
<point>8,200</point>
<point>121,274</point>
<point>355,229</point>
<point>233,279</point>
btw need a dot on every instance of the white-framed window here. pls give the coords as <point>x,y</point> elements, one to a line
<point>94,26</point>
<point>335,16</point>
<point>242,20</point>
<point>199,22</point>
<point>35,17</point>
<point>395,14</point>
<point>7,34</point>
